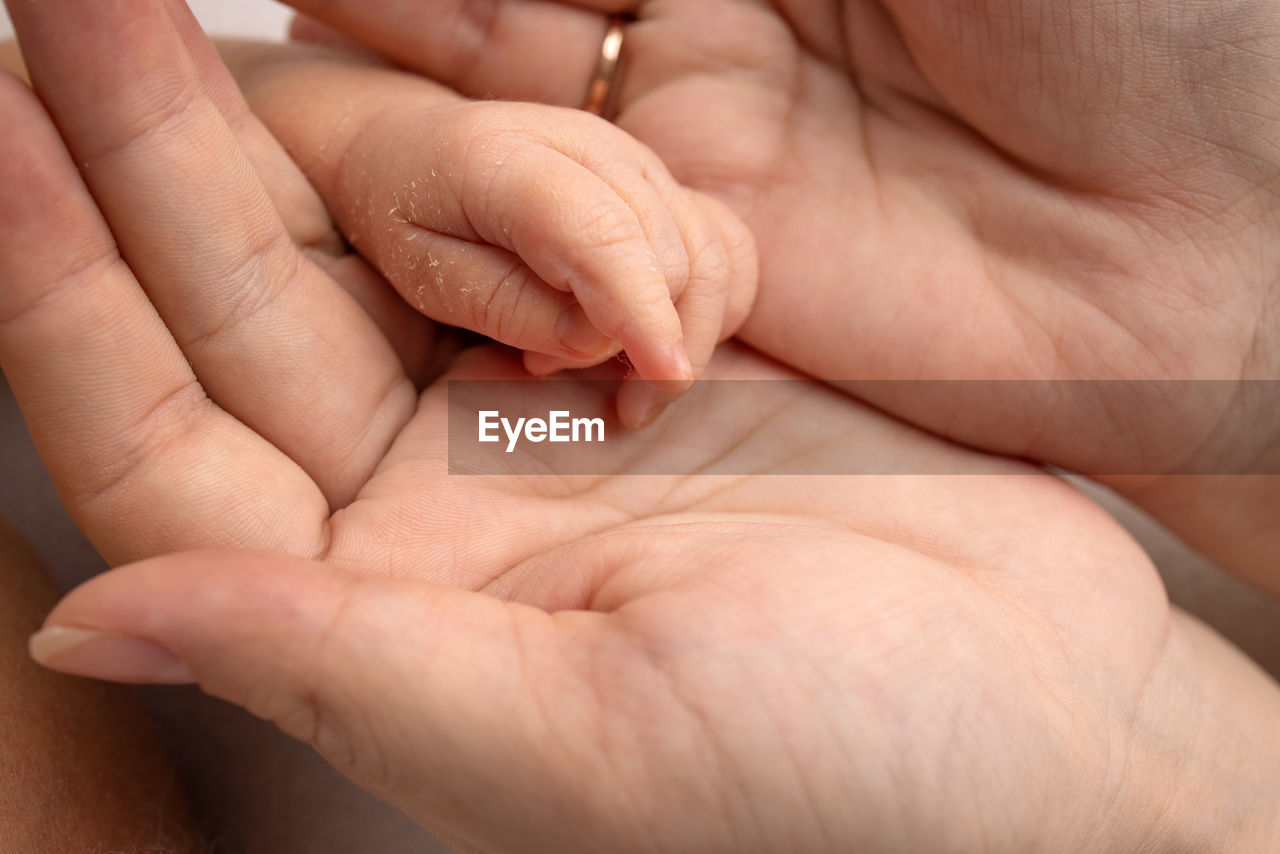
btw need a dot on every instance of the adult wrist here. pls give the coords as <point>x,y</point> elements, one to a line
<point>1205,751</point>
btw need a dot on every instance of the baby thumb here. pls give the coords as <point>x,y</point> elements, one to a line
<point>408,688</point>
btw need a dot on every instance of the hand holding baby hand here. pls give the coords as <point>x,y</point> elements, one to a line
<point>546,229</point>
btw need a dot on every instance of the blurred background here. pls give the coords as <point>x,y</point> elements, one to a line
<point>258,18</point>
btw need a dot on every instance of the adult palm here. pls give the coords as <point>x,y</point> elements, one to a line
<point>1001,189</point>
<point>977,658</point>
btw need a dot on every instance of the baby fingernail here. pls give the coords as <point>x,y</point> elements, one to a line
<point>579,336</point>
<point>101,655</point>
<point>676,374</point>
<point>680,359</point>
<point>650,413</point>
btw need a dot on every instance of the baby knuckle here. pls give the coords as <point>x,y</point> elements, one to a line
<point>711,267</point>
<point>607,224</point>
<point>490,133</point>
<point>498,313</point>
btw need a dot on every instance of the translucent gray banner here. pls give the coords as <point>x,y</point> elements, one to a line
<point>738,427</point>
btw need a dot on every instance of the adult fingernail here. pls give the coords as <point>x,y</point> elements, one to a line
<point>579,336</point>
<point>102,655</point>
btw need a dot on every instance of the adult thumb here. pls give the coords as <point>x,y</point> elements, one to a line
<point>429,697</point>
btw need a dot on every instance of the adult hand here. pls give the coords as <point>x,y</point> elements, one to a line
<point>196,356</point>
<point>654,664</point>
<point>1007,189</point>
<point>200,359</point>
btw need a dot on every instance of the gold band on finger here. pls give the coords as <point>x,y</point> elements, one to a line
<point>600,93</point>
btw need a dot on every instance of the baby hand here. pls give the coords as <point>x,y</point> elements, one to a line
<point>544,228</point>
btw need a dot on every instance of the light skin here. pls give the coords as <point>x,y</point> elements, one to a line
<point>999,189</point>
<point>547,230</point>
<point>895,663</point>
<point>470,208</point>
<point>620,663</point>
<point>355,351</point>
<point>83,769</point>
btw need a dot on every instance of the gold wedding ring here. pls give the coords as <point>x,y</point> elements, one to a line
<point>600,93</point>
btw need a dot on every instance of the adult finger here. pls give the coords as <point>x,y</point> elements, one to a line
<point>271,339</point>
<point>523,50</point>
<point>301,210</point>
<point>304,29</point>
<point>433,698</point>
<point>299,206</point>
<point>115,410</point>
